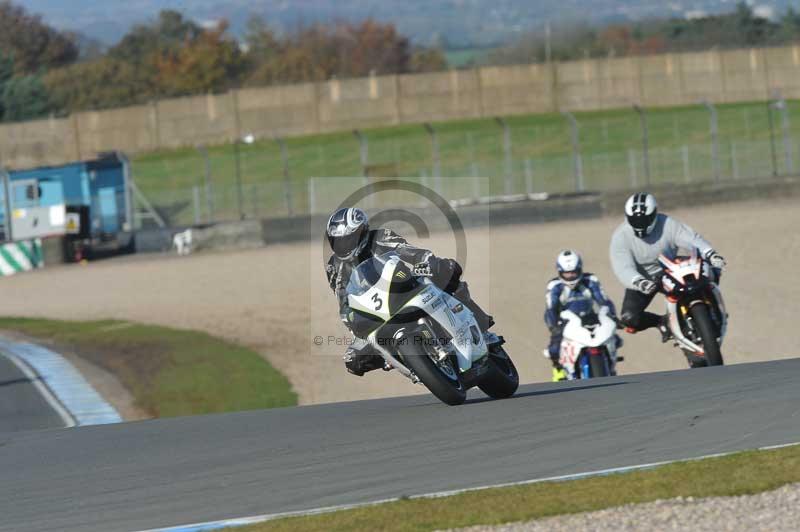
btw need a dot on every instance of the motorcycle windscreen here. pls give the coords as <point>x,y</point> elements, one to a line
<point>365,276</point>
<point>403,288</point>
<point>585,309</point>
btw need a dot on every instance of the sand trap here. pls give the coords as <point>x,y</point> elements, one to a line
<point>276,299</point>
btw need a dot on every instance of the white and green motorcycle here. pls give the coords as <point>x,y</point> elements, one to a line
<point>425,333</point>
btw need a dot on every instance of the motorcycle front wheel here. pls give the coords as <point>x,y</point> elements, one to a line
<point>707,331</point>
<point>502,379</point>
<point>441,378</point>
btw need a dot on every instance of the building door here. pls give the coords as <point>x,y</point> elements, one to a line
<point>109,212</point>
<point>28,217</point>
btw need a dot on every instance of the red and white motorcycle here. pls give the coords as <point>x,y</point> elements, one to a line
<point>697,316</point>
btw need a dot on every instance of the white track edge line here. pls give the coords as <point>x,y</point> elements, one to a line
<point>242,521</point>
<point>78,397</point>
<point>43,389</point>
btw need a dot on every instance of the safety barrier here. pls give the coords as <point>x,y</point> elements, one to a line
<point>20,256</point>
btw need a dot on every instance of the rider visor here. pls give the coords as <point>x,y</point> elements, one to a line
<point>642,224</point>
<point>343,246</point>
<point>570,276</point>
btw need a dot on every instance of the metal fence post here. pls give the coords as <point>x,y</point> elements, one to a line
<point>435,156</point>
<point>239,195</point>
<point>509,164</point>
<point>247,139</point>
<point>471,146</point>
<point>254,194</point>
<point>322,161</point>
<point>528,176</point>
<point>734,161</point>
<point>787,136</point>
<point>363,145</point>
<point>476,187</point>
<point>209,192</point>
<point>196,204</point>
<point>645,142</point>
<point>632,168</point>
<point>287,182</point>
<point>312,196</point>
<point>714,125</point>
<point>576,150</point>
<point>473,166</point>
<point>423,180</point>
<point>772,139</point>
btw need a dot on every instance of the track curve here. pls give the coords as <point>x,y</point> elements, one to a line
<point>22,405</point>
<point>174,471</point>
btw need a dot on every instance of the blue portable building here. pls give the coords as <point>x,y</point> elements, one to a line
<point>93,198</point>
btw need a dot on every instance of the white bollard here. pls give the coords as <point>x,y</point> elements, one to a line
<point>182,242</point>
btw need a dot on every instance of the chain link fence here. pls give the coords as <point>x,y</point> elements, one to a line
<point>554,154</point>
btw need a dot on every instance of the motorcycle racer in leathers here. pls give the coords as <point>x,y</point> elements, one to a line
<point>570,290</point>
<point>635,247</point>
<point>352,242</point>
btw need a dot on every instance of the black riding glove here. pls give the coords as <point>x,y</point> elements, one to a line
<point>446,273</point>
<point>645,286</point>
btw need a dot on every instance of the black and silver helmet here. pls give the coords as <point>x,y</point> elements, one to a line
<point>347,232</point>
<point>641,210</point>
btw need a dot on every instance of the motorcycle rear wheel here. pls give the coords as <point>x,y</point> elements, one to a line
<point>707,331</point>
<point>501,379</point>
<point>442,382</point>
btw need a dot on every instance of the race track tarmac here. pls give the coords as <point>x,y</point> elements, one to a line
<point>22,407</point>
<point>176,471</point>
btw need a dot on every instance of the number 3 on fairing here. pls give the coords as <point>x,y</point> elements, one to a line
<point>378,302</point>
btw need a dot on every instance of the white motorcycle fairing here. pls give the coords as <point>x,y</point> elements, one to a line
<point>576,338</point>
<point>453,316</point>
<point>678,269</point>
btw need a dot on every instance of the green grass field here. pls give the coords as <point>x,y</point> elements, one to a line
<point>737,474</point>
<point>169,372</point>
<point>541,156</point>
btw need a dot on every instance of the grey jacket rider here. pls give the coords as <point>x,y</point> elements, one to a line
<point>634,258</point>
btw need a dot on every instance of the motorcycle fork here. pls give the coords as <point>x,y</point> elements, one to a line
<point>686,318</point>
<point>714,311</point>
<point>710,302</point>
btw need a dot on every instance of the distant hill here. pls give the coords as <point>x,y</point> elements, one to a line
<point>453,23</point>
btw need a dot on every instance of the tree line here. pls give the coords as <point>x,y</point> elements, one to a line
<point>44,71</point>
<point>738,29</point>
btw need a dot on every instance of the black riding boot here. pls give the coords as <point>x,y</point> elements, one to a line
<point>360,363</point>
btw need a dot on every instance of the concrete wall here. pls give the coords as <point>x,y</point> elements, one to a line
<point>341,105</point>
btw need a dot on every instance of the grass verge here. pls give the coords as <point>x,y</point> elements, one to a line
<point>738,474</point>
<point>169,372</point>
